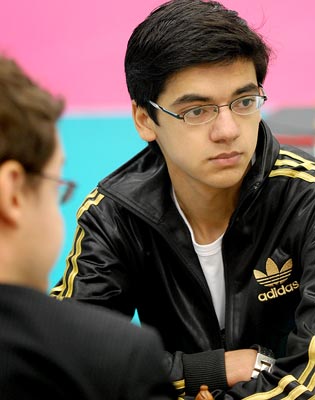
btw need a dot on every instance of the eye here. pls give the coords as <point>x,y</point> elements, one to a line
<point>195,112</point>
<point>244,103</point>
<point>200,112</point>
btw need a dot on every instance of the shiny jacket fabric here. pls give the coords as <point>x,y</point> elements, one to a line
<point>132,250</point>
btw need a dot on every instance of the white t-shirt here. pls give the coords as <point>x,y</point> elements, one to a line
<point>210,258</point>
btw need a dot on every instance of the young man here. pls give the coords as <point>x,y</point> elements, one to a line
<point>49,349</point>
<point>209,231</point>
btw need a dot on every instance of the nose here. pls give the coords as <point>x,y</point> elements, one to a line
<point>224,127</point>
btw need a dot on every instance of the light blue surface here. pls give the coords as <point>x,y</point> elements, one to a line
<point>94,147</point>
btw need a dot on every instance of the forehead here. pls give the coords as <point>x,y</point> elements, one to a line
<point>213,81</point>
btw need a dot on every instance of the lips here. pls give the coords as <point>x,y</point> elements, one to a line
<point>226,160</point>
<point>226,156</point>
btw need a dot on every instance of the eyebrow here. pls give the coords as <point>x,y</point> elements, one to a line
<point>191,97</point>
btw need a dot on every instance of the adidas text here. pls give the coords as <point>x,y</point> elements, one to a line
<point>280,291</point>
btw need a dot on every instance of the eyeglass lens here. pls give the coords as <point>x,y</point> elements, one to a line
<point>243,106</point>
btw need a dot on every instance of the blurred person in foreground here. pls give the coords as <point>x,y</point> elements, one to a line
<point>209,231</point>
<point>51,349</point>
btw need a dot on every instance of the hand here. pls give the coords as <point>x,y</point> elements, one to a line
<point>239,365</point>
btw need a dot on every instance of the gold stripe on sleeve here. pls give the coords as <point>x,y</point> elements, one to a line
<point>297,390</point>
<point>66,287</point>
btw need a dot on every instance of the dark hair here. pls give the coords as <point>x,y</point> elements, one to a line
<point>183,33</point>
<point>28,116</point>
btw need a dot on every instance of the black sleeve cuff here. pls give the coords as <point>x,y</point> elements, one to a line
<point>206,368</point>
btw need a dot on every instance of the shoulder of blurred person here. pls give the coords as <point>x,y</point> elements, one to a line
<point>57,349</point>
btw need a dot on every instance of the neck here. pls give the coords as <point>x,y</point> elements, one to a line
<point>18,271</point>
<point>208,212</point>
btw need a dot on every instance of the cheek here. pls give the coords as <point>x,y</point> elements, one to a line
<point>59,230</point>
<point>177,153</point>
<point>54,226</point>
<point>178,143</point>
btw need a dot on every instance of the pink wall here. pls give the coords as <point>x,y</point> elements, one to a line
<point>76,47</point>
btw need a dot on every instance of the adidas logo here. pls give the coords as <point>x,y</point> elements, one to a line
<point>275,279</point>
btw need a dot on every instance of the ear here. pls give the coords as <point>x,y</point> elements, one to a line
<point>144,124</point>
<point>12,192</point>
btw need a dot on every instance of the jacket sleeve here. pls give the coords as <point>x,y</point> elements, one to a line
<point>189,371</point>
<point>298,382</point>
<point>98,265</point>
<point>209,369</point>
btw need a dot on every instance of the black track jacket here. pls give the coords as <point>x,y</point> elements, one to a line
<point>132,250</point>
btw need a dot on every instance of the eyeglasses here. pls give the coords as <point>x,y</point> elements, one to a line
<point>245,105</point>
<point>66,187</point>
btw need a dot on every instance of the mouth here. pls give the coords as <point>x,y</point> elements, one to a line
<point>226,159</point>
